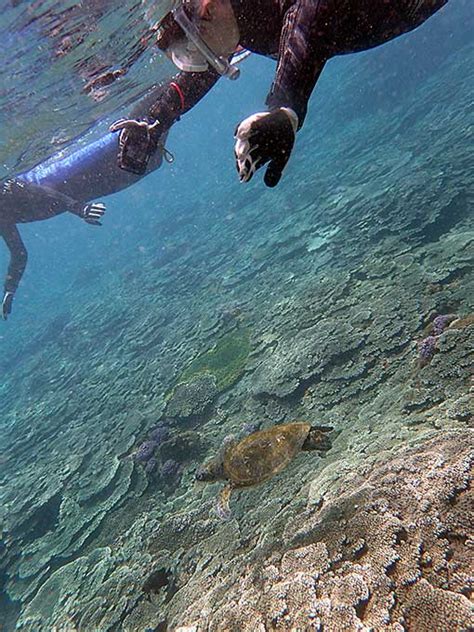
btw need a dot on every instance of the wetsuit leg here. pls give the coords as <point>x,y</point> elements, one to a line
<point>18,255</point>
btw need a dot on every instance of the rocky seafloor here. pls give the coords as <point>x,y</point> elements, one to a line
<point>312,302</point>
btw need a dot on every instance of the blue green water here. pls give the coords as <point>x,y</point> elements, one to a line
<point>351,89</point>
<point>374,208</point>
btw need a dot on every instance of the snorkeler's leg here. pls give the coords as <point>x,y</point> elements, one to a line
<point>16,267</point>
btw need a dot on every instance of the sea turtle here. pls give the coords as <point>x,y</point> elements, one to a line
<point>259,456</point>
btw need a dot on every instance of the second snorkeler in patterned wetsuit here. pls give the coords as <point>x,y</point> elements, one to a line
<point>200,37</point>
<point>64,184</point>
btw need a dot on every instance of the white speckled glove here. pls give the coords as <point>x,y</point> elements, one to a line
<point>265,137</point>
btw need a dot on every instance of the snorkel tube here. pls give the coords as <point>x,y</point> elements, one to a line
<point>220,64</point>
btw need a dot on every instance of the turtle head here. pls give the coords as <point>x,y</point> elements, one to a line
<point>212,470</point>
<point>318,439</point>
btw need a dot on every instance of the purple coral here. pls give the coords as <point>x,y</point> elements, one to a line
<point>441,322</point>
<point>159,434</point>
<point>250,427</point>
<point>145,451</point>
<point>426,349</point>
<point>151,465</point>
<point>169,469</point>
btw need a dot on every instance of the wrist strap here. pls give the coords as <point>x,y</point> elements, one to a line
<point>165,109</point>
<point>174,85</point>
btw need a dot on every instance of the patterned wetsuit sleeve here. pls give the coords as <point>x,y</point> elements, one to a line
<point>182,94</point>
<point>304,49</point>
<point>18,256</point>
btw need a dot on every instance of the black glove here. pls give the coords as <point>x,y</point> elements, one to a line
<point>265,137</point>
<point>92,213</point>
<point>138,140</point>
<point>7,304</point>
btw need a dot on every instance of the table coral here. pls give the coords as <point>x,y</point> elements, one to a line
<point>192,397</point>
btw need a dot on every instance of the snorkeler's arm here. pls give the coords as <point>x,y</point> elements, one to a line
<point>18,256</point>
<point>180,95</point>
<point>140,139</point>
<point>42,196</point>
<point>28,201</point>
<point>267,138</point>
<point>303,53</point>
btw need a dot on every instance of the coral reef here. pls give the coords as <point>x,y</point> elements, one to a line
<point>226,361</point>
<point>386,549</point>
<point>191,398</point>
<point>329,283</point>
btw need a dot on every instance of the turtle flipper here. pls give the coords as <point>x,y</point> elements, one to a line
<point>222,507</point>
<point>318,439</point>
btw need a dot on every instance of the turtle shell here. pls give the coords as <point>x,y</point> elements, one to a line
<point>263,454</point>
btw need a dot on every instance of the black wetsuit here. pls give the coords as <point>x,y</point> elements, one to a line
<point>302,35</point>
<point>18,256</point>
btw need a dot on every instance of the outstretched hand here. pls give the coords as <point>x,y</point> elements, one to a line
<point>7,304</point>
<point>93,213</point>
<point>265,137</point>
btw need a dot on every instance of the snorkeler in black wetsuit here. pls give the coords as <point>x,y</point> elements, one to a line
<point>201,35</point>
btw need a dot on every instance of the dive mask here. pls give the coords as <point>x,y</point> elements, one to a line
<point>179,37</point>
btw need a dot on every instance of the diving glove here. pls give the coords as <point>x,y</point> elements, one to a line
<point>7,304</point>
<point>92,213</point>
<point>265,137</point>
<point>138,140</point>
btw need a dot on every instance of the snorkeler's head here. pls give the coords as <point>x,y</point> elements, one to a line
<point>197,34</point>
